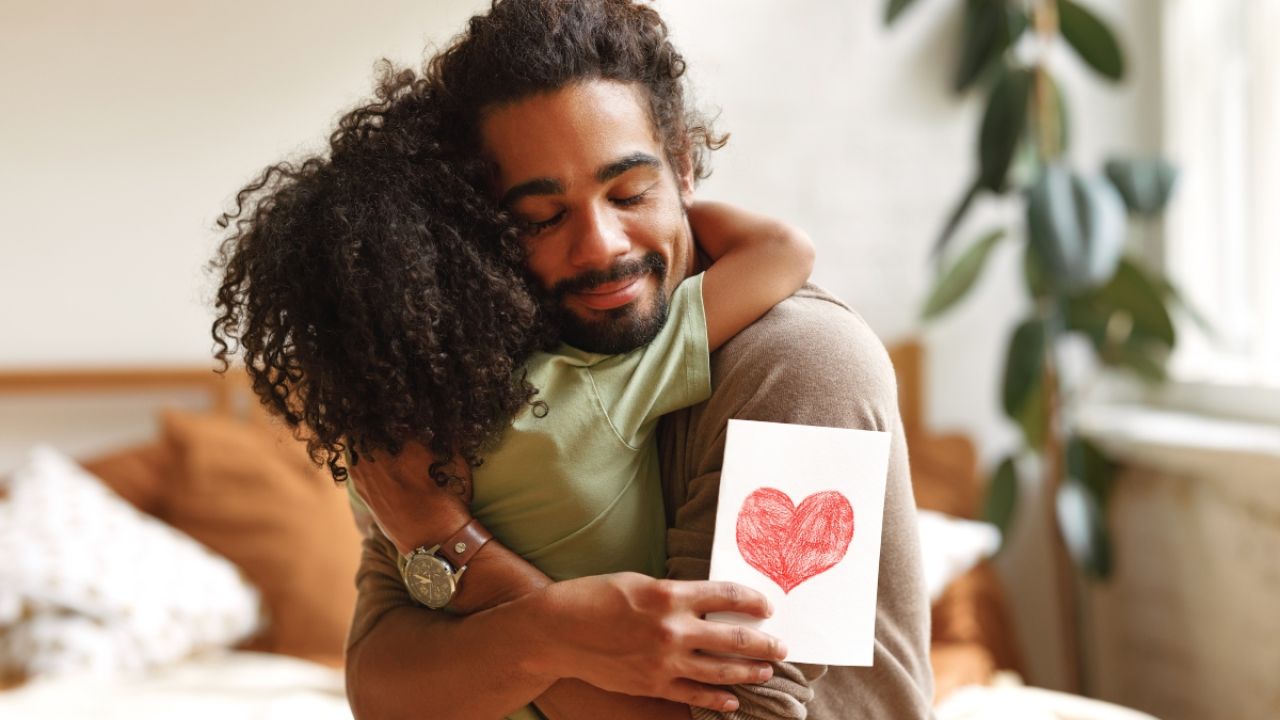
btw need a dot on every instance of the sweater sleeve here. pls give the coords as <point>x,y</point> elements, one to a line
<point>810,361</point>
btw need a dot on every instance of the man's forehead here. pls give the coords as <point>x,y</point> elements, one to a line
<point>571,135</point>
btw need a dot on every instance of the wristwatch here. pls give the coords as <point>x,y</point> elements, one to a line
<point>429,573</point>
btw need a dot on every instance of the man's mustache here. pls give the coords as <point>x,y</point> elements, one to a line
<point>650,263</point>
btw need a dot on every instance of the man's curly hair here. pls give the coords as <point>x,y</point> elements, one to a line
<point>521,48</point>
<point>377,295</point>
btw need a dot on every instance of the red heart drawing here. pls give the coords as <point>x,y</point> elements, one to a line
<point>791,544</point>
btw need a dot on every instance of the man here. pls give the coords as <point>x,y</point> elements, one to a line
<point>579,108</point>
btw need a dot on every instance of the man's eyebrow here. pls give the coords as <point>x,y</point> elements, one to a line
<point>537,186</point>
<point>617,167</point>
<point>551,186</point>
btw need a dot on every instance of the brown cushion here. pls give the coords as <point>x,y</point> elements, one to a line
<point>140,474</point>
<point>973,610</point>
<point>250,493</point>
<point>944,474</point>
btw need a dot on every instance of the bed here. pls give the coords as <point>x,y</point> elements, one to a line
<point>190,450</point>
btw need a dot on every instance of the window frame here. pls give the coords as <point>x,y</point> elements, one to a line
<point>1221,120</point>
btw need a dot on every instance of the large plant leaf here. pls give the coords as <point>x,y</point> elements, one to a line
<point>1126,326</point>
<point>990,28</point>
<point>1127,322</point>
<point>1102,224</point>
<point>1035,273</point>
<point>957,280</point>
<point>1090,476</point>
<point>1083,527</point>
<point>1131,290</point>
<point>1002,497</point>
<point>1003,124</point>
<point>1086,314</point>
<point>894,9</point>
<point>1091,38</point>
<point>982,47</point>
<point>1175,297</point>
<point>1091,467</point>
<point>1051,225</point>
<point>1146,360</point>
<point>1033,418</point>
<point>1024,366</point>
<point>953,221</point>
<point>1145,185</point>
<point>1077,226</point>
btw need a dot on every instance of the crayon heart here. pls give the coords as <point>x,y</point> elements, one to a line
<point>791,544</point>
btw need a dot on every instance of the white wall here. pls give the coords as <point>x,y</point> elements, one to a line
<point>128,125</point>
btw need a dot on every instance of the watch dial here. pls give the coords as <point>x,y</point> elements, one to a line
<point>430,581</point>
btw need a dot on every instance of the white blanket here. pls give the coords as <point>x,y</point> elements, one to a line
<point>226,685</point>
<point>233,685</point>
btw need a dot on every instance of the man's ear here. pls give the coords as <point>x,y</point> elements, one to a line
<point>684,178</point>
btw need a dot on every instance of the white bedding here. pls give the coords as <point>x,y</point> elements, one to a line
<point>225,685</point>
<point>235,685</point>
<point>1010,700</point>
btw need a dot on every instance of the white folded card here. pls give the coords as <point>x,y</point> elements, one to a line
<point>799,519</point>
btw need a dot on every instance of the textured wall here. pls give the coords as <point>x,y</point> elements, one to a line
<point>1188,628</point>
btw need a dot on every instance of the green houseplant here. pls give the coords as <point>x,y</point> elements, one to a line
<point>1076,270</point>
<point>1082,280</point>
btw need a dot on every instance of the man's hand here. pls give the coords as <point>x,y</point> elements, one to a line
<point>407,503</point>
<point>631,634</point>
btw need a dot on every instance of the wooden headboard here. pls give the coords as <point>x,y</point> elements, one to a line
<point>944,467</point>
<point>228,394</point>
<point>908,365</point>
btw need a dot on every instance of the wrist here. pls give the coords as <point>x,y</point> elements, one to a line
<point>431,527</point>
<point>497,577</point>
<point>540,655</point>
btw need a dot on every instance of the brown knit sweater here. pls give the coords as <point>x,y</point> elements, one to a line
<point>811,361</point>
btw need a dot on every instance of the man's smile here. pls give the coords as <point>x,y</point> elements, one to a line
<point>610,295</point>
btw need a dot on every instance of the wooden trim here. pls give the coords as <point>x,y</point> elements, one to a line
<point>222,390</point>
<point>907,366</point>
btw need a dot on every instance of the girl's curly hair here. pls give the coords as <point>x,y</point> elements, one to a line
<point>378,295</point>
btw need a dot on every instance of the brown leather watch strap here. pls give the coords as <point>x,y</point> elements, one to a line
<point>464,544</point>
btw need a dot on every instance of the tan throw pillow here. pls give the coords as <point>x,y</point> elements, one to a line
<point>138,474</point>
<point>250,493</point>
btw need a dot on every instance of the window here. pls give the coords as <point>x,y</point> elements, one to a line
<point>1222,231</point>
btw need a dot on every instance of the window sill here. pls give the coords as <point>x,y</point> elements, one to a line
<point>1181,442</point>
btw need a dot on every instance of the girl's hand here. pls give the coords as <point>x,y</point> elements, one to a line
<point>406,502</point>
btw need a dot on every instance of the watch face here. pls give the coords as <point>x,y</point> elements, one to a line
<point>430,580</point>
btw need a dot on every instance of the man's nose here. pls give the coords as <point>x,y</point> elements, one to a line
<point>598,240</point>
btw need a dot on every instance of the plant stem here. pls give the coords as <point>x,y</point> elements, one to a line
<point>1047,119</point>
<point>1055,471</point>
<point>1044,15</point>
<point>1048,133</point>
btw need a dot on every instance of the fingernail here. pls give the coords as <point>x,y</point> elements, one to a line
<point>764,673</point>
<point>729,705</point>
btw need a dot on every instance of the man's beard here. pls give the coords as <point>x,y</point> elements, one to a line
<point>621,329</point>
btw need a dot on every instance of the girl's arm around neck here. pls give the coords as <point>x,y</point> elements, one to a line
<point>757,263</point>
